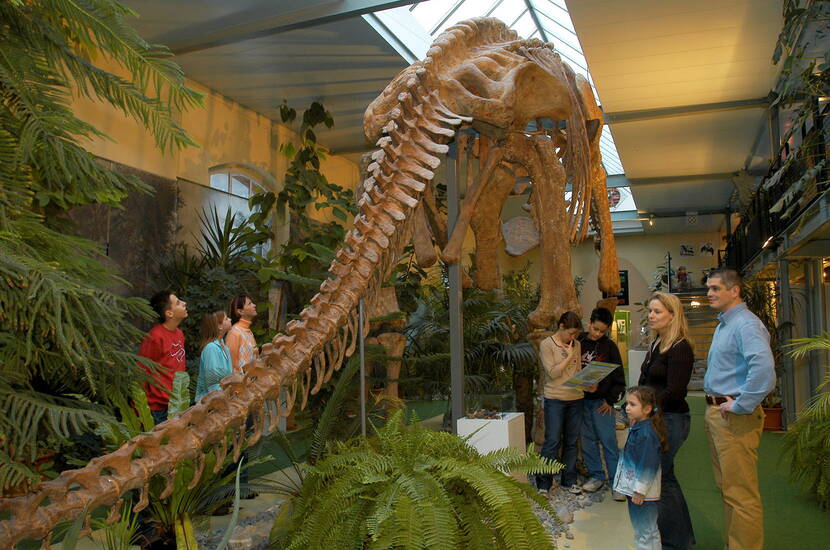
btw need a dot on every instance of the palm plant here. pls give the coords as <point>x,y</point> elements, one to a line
<point>497,355</point>
<point>408,487</point>
<point>62,332</point>
<point>761,298</point>
<point>173,517</point>
<point>807,441</point>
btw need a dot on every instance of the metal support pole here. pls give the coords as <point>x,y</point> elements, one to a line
<point>774,133</point>
<point>455,297</point>
<point>728,214</point>
<point>785,309</point>
<point>361,340</point>
<point>815,304</point>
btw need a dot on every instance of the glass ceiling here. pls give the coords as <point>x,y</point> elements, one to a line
<point>547,20</point>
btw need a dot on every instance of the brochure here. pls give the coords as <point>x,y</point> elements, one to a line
<point>591,374</point>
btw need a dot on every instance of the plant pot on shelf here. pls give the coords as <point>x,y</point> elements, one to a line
<point>772,420</point>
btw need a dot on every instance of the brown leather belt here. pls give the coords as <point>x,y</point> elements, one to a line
<point>716,399</point>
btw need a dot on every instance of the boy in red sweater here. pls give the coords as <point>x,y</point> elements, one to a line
<point>164,344</point>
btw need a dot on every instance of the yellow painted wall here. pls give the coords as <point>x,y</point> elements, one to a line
<point>640,254</point>
<point>227,133</point>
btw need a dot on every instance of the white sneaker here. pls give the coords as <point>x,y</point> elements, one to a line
<point>593,485</point>
<point>618,496</point>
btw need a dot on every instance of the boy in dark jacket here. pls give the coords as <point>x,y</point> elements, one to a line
<point>598,414</point>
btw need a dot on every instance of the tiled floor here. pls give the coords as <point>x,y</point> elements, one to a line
<point>603,526</point>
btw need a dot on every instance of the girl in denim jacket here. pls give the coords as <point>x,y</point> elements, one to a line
<point>638,471</point>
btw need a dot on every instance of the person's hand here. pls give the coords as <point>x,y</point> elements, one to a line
<point>571,349</point>
<point>637,499</point>
<point>592,388</point>
<point>726,407</point>
<point>605,409</point>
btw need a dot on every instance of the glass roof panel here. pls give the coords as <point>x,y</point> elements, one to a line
<point>525,25</point>
<point>554,25</point>
<point>469,9</point>
<point>555,13</point>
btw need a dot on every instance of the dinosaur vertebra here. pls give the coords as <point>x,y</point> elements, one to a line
<point>476,73</point>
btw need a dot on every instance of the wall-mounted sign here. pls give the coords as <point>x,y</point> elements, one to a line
<point>622,295</point>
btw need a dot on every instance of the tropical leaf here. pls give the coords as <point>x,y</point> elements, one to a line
<point>408,487</point>
<point>62,329</point>
<point>235,514</point>
<point>180,396</point>
<point>807,441</point>
<point>14,473</point>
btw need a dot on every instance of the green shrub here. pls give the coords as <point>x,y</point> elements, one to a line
<point>409,487</point>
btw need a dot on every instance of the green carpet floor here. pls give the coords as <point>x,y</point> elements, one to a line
<point>792,519</point>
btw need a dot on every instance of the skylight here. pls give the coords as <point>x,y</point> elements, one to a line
<point>547,20</point>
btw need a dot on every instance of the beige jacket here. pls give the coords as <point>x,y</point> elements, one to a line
<point>556,369</point>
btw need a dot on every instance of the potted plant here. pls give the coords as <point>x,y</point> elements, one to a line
<point>761,297</point>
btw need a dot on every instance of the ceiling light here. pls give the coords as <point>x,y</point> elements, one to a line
<point>651,221</point>
<point>694,303</point>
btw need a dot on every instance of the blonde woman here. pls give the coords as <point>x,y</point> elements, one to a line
<point>668,368</point>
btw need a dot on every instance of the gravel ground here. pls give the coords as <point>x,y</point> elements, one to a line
<point>257,528</point>
<point>565,504</point>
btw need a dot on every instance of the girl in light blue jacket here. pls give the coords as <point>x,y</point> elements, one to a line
<point>215,360</point>
<point>638,470</point>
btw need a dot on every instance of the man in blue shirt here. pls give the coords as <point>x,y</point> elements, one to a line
<point>740,373</point>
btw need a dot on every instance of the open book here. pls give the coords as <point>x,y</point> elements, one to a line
<point>591,374</point>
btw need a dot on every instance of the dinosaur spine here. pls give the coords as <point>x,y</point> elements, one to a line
<point>298,361</point>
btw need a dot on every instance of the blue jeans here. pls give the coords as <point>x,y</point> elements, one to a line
<point>563,419</point>
<point>644,521</point>
<point>674,520</point>
<point>159,416</point>
<point>598,429</point>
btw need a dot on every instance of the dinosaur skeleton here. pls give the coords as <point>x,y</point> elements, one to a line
<point>477,73</point>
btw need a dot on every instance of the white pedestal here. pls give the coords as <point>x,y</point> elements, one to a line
<point>495,433</point>
<point>635,361</point>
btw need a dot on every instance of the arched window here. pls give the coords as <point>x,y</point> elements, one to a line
<point>235,184</point>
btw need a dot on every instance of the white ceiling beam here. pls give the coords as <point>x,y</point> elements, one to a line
<point>276,20</point>
<point>685,110</point>
<point>621,181</point>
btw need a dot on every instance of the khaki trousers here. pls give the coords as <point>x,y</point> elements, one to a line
<point>733,444</point>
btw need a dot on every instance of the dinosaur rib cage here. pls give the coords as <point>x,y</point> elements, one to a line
<point>295,364</point>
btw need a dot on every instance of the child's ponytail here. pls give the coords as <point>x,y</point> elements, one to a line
<point>647,396</point>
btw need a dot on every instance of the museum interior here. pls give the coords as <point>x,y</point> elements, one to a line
<point>303,274</point>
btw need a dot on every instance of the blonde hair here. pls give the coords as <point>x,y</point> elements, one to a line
<point>678,328</point>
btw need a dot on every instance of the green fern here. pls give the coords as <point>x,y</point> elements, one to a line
<point>13,473</point>
<point>412,488</point>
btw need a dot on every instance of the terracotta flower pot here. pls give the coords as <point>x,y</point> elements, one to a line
<point>772,420</point>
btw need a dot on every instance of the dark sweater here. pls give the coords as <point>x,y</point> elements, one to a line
<point>669,374</point>
<point>604,350</point>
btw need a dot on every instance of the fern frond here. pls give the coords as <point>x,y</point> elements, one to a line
<point>14,473</point>
<point>408,487</point>
<point>25,413</point>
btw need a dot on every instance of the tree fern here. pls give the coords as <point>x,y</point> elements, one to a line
<point>64,337</point>
<point>411,488</point>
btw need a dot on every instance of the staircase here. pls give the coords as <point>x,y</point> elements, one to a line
<point>702,321</point>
